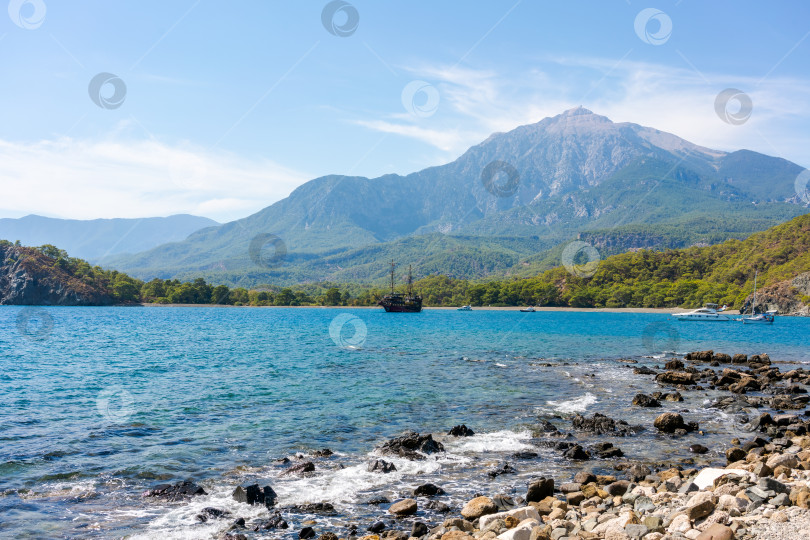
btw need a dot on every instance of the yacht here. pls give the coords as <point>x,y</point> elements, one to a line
<point>465,308</point>
<point>529,309</point>
<point>708,313</point>
<point>754,317</point>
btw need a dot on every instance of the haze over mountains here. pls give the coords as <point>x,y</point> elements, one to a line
<point>98,238</point>
<point>498,208</point>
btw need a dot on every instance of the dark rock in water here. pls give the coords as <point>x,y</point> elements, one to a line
<point>438,506</point>
<point>606,450</point>
<point>644,370</point>
<point>301,468</point>
<point>211,513</point>
<point>739,359</point>
<point>600,424</point>
<point>539,489</point>
<point>237,536</point>
<point>410,444</point>
<point>324,452</point>
<point>461,431</point>
<point>643,400</point>
<point>504,503</point>
<point>721,358</point>
<point>700,356</point>
<point>176,492</point>
<point>419,530</point>
<point>735,454</point>
<point>428,490</point>
<point>673,422</point>
<point>381,466</point>
<point>238,523</point>
<point>525,455</point>
<point>676,378</point>
<point>673,365</point>
<point>759,359</point>
<point>274,522</point>
<point>637,473</point>
<point>584,477</point>
<point>314,508</point>
<point>306,532</point>
<point>376,527</point>
<point>502,468</point>
<point>380,499</point>
<point>698,449</point>
<point>328,536</point>
<point>255,495</point>
<point>576,452</point>
<point>545,426</point>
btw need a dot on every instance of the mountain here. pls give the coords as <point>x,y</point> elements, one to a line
<point>501,205</point>
<point>99,238</point>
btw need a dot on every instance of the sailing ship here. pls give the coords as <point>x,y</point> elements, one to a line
<point>401,303</point>
<point>754,318</point>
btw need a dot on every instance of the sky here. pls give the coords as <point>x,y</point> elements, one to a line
<point>147,108</point>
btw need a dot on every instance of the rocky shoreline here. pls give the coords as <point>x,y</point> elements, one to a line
<point>761,490</point>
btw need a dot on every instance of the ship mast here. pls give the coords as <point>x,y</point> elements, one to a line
<point>410,281</point>
<point>392,276</point>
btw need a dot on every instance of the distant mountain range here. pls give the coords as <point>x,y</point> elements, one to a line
<point>96,239</point>
<point>499,209</point>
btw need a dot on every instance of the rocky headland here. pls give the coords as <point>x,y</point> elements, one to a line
<point>30,278</point>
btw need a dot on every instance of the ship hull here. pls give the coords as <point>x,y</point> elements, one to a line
<point>400,304</point>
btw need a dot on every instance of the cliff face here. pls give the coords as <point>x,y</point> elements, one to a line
<point>27,277</point>
<point>788,296</point>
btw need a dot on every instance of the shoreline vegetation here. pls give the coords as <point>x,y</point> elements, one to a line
<point>685,278</point>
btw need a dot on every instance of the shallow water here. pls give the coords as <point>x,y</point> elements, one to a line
<point>104,403</point>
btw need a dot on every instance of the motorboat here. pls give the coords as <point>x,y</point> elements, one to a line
<point>465,308</point>
<point>708,313</point>
<point>529,309</point>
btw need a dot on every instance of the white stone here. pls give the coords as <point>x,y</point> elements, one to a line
<point>730,502</point>
<point>523,530</point>
<point>701,497</point>
<point>707,476</point>
<point>521,514</point>
<point>788,460</point>
<point>691,534</point>
<point>680,524</point>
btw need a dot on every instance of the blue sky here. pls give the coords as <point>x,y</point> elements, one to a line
<point>229,107</point>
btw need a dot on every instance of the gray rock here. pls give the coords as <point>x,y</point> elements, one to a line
<point>636,530</point>
<point>643,504</point>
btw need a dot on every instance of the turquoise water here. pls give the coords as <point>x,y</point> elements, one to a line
<point>99,404</point>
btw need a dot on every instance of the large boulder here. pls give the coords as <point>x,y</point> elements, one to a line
<point>405,507</point>
<point>600,424</point>
<point>673,422</point>
<point>461,431</point>
<point>643,400</point>
<point>255,495</point>
<point>477,507</point>
<point>539,489</point>
<point>412,446</point>
<point>175,492</point>
<point>676,378</point>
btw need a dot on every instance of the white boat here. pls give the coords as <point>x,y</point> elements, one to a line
<point>465,308</point>
<point>708,313</point>
<point>529,309</point>
<point>761,318</point>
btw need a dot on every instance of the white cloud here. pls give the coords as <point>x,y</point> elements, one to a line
<point>114,178</point>
<point>678,100</point>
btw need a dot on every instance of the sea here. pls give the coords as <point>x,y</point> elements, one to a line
<point>98,405</point>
